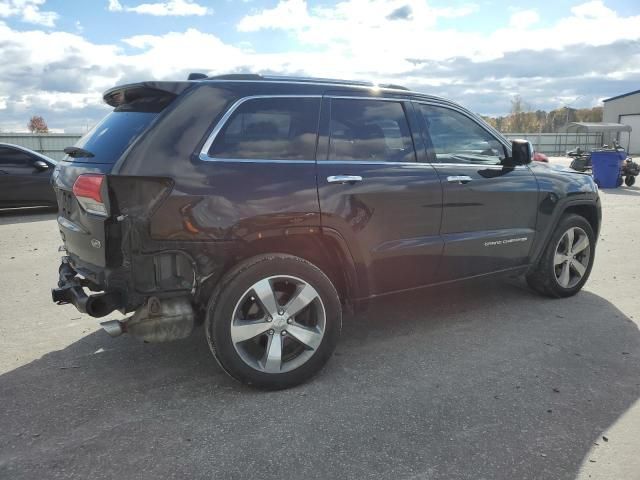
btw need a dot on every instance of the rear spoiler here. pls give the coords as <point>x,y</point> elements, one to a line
<point>134,91</point>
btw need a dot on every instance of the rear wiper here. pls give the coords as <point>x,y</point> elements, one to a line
<point>77,152</point>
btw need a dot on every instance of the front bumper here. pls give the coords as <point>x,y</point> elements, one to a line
<point>71,290</point>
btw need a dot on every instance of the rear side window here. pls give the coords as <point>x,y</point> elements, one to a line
<point>270,129</point>
<point>110,138</point>
<point>369,130</point>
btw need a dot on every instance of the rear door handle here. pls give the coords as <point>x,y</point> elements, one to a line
<point>459,179</point>
<point>344,179</point>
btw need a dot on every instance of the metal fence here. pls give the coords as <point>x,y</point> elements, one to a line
<point>50,144</point>
<point>53,144</point>
<point>559,143</point>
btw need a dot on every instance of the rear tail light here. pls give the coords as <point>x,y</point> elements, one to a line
<point>88,191</point>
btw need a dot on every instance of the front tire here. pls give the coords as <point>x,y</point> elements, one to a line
<point>567,260</point>
<point>273,321</point>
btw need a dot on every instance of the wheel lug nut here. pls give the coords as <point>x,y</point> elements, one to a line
<point>270,332</point>
<point>269,319</point>
<point>289,320</point>
<point>280,312</point>
<point>284,332</point>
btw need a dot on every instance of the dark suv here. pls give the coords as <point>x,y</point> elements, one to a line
<point>264,206</point>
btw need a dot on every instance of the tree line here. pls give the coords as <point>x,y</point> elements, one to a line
<point>522,119</point>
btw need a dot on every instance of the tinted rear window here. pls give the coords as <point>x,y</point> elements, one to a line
<point>111,137</point>
<point>270,129</point>
<point>369,130</point>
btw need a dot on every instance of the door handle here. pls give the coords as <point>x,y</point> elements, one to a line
<point>344,179</point>
<point>459,179</point>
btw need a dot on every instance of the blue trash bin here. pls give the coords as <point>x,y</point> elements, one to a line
<point>606,166</point>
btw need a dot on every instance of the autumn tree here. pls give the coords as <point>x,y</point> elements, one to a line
<point>37,124</point>
<point>523,120</point>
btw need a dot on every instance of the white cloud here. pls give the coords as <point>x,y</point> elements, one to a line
<point>28,11</point>
<point>115,6</point>
<point>341,19</point>
<point>288,15</point>
<point>191,50</point>
<point>524,19</point>
<point>362,30</point>
<point>62,75</point>
<point>593,10</point>
<point>454,12</point>
<point>177,8</point>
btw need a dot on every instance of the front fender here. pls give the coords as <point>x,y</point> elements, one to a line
<point>563,190</point>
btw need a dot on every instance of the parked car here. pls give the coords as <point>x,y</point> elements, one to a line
<point>25,178</point>
<point>264,207</point>
<point>540,157</point>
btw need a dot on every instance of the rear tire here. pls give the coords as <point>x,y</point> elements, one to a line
<point>273,321</point>
<point>629,180</point>
<point>566,262</point>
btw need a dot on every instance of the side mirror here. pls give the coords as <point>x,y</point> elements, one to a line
<point>521,152</point>
<point>40,165</point>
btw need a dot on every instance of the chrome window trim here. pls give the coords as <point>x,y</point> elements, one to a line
<point>206,158</point>
<point>204,152</point>
<point>370,162</point>
<point>493,166</point>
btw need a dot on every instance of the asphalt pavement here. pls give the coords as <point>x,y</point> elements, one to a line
<point>479,380</point>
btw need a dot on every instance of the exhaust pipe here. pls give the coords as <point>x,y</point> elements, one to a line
<point>113,327</point>
<point>162,320</point>
<point>102,304</point>
<point>156,321</point>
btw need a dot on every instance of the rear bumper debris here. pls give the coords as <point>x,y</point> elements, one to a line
<point>71,291</point>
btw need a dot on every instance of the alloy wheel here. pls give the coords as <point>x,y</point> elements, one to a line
<point>571,258</point>
<point>278,324</point>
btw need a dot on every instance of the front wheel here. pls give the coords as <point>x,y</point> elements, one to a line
<point>273,321</point>
<point>567,260</point>
<point>629,180</point>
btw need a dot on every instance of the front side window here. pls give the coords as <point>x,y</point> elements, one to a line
<point>455,138</point>
<point>14,161</point>
<point>270,129</point>
<point>369,130</point>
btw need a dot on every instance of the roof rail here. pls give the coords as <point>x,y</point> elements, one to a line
<point>392,85</point>
<point>237,76</point>
<point>285,78</point>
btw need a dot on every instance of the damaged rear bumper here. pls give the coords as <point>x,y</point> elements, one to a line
<point>70,290</point>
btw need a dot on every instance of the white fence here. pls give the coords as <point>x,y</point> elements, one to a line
<point>50,144</point>
<point>53,144</point>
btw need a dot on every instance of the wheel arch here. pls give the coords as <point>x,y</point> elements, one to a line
<point>588,210</point>
<point>324,251</point>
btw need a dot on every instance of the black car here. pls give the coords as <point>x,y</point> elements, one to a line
<point>264,206</point>
<point>25,178</point>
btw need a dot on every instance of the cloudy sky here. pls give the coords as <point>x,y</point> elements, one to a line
<point>57,56</point>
